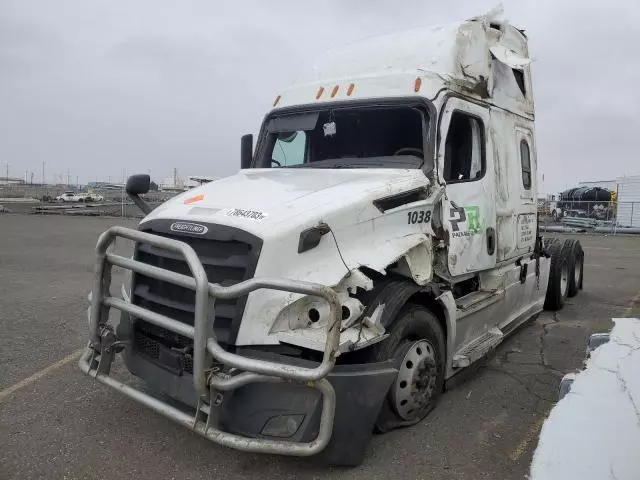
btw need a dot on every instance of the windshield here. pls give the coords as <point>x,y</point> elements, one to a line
<point>355,137</point>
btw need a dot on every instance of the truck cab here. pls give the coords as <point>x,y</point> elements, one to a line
<point>381,237</point>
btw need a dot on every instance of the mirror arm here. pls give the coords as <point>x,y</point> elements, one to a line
<point>142,205</point>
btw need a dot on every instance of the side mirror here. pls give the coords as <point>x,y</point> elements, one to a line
<point>246,150</point>
<point>138,184</point>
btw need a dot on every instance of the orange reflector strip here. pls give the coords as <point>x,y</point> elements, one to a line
<point>195,198</point>
<point>350,89</point>
<point>320,92</point>
<point>277,101</point>
<point>334,91</point>
<point>417,85</point>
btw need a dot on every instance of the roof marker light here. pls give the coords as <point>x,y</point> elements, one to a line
<point>277,101</point>
<point>350,89</point>
<point>417,85</point>
<point>334,91</point>
<point>320,92</point>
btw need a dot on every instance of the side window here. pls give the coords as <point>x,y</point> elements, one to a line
<point>464,158</point>
<point>289,149</point>
<point>525,160</point>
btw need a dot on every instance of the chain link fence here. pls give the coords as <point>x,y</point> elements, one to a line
<point>589,214</point>
<point>43,199</point>
<point>32,198</point>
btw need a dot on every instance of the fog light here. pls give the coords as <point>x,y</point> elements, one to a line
<point>283,426</point>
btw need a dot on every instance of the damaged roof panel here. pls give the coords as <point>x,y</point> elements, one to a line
<point>461,56</point>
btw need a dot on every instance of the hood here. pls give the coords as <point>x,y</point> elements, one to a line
<point>262,201</point>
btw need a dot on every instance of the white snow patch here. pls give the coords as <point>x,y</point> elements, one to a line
<point>594,431</point>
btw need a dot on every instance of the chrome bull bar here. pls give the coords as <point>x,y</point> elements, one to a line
<point>97,360</point>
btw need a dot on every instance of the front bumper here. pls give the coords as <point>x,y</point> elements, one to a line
<point>335,407</point>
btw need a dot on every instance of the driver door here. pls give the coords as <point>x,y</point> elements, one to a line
<point>466,166</point>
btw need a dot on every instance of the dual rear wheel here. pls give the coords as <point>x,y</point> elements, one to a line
<point>566,271</point>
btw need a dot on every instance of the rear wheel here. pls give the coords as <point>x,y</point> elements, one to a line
<point>416,343</point>
<point>559,275</point>
<point>575,255</point>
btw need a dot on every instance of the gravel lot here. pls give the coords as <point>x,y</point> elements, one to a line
<point>56,423</point>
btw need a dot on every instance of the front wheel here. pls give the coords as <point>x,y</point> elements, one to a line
<point>416,343</point>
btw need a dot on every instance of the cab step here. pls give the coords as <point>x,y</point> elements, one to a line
<point>478,348</point>
<point>476,301</point>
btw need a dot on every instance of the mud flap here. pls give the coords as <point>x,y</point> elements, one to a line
<point>359,399</point>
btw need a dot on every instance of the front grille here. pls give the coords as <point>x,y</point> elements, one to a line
<point>229,256</point>
<point>150,340</point>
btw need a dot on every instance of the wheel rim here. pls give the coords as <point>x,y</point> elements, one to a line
<point>564,278</point>
<point>416,381</point>
<point>577,271</point>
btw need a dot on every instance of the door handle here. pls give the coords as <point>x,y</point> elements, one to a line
<point>491,240</point>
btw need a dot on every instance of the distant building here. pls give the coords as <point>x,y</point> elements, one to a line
<point>176,183</point>
<point>11,181</point>
<point>629,201</point>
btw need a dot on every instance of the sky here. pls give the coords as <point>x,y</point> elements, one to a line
<point>101,89</point>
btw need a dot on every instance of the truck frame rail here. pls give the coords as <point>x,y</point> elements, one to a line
<point>209,385</point>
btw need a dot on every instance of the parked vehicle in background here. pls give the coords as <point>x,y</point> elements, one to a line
<point>76,197</point>
<point>92,197</point>
<point>70,197</point>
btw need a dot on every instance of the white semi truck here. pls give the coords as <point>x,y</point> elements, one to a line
<point>381,238</point>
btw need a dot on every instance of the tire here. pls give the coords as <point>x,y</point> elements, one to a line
<point>416,341</point>
<point>581,279</point>
<point>546,243</point>
<point>558,286</point>
<point>575,255</point>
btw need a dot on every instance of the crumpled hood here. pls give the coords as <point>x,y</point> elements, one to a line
<point>258,200</point>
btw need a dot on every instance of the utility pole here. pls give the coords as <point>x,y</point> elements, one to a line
<point>124,181</point>
<point>68,178</point>
<point>7,171</point>
<point>42,173</point>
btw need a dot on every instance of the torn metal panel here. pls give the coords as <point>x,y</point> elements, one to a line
<point>364,334</point>
<point>312,313</point>
<point>417,263</point>
<point>509,57</point>
<point>456,56</point>
<point>354,336</point>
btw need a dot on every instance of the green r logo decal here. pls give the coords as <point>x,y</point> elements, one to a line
<point>473,218</point>
<point>459,216</point>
